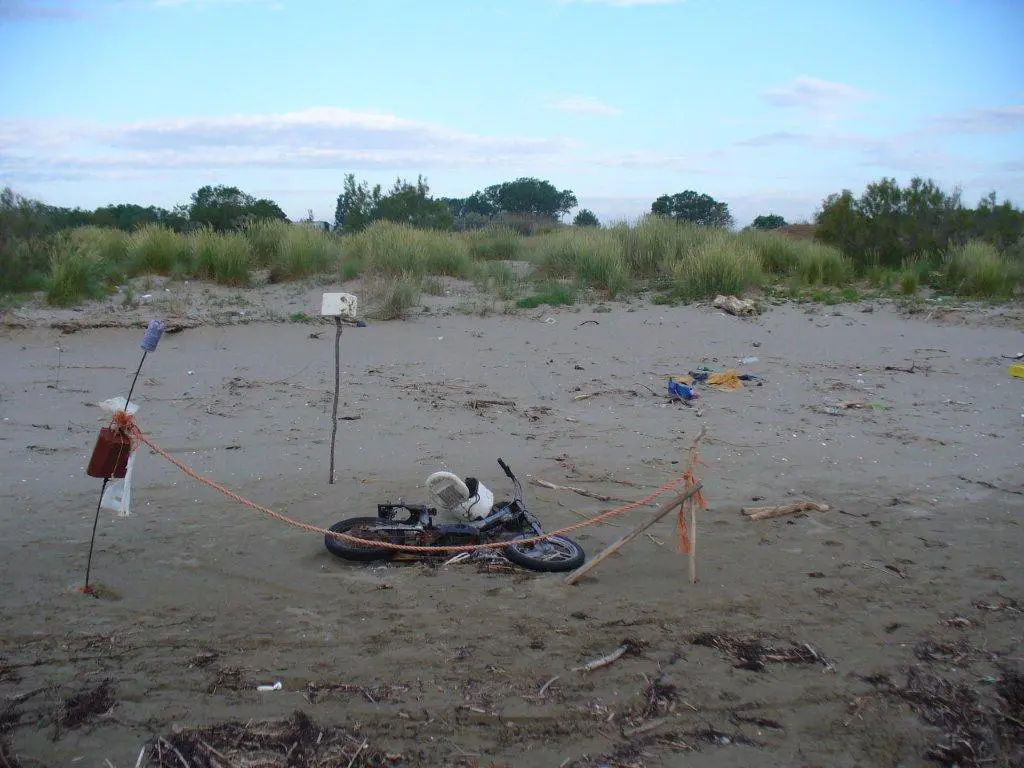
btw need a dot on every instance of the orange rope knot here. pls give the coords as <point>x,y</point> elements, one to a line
<point>123,423</point>
<point>697,501</point>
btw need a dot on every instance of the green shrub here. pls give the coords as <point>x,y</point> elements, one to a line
<point>909,282</point>
<point>551,293</point>
<point>154,249</point>
<point>779,255</point>
<point>651,244</point>
<point>304,251</point>
<point>497,278</point>
<point>722,264</point>
<point>444,254</point>
<point>265,236</point>
<point>849,293</point>
<point>350,267</point>
<point>77,272</point>
<point>824,265</point>
<point>224,258</point>
<point>397,249</point>
<point>390,297</point>
<point>881,277</point>
<point>977,269</point>
<point>494,243</point>
<point>595,258</point>
<point>24,264</point>
<point>111,245</point>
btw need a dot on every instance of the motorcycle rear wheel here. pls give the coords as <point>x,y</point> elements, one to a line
<point>551,555</point>
<point>363,528</point>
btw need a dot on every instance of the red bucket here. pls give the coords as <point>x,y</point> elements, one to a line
<point>110,456</point>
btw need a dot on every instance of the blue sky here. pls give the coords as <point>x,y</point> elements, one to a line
<point>768,105</point>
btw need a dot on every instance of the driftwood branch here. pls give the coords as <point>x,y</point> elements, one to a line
<point>762,513</point>
<point>574,489</point>
<point>603,661</point>
<point>479,403</point>
<point>548,684</point>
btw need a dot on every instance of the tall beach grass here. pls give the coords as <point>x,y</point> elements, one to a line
<point>397,249</point>
<point>977,269</point>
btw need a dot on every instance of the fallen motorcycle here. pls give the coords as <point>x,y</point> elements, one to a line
<point>506,521</point>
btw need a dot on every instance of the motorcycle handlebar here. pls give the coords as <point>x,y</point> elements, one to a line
<point>508,472</point>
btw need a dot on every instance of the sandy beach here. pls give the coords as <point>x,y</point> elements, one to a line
<point>917,566</point>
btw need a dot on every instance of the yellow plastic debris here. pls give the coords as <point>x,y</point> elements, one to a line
<point>727,381</point>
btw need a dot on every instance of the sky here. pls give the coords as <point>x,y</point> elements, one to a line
<point>767,105</point>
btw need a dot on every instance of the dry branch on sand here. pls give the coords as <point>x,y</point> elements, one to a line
<point>629,645</point>
<point>297,741</point>
<point>762,513</point>
<point>754,654</point>
<point>574,489</point>
<point>977,726</point>
<point>78,708</point>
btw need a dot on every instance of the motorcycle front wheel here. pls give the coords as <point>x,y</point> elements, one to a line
<point>556,553</point>
<point>363,528</point>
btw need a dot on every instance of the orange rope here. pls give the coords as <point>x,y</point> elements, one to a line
<point>689,481</point>
<point>129,424</point>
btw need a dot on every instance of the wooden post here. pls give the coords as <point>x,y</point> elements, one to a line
<point>693,543</point>
<point>337,380</point>
<point>663,510</point>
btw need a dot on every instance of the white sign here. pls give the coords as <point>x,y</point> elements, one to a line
<point>339,305</point>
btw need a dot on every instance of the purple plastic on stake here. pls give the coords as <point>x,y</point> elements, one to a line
<point>152,335</point>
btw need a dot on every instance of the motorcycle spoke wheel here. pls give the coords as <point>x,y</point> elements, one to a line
<point>554,554</point>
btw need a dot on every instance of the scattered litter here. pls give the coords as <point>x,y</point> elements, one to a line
<point>749,360</point>
<point>726,381</point>
<point>734,306</point>
<point>680,390</point>
<point>115,404</point>
<point>1017,370</point>
<point>265,688</point>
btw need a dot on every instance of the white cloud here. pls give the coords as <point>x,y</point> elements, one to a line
<point>308,139</point>
<point>662,160</point>
<point>585,105</point>
<point>818,97</point>
<point>810,140</point>
<point>988,120</point>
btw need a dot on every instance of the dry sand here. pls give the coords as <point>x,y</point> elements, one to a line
<point>203,599</point>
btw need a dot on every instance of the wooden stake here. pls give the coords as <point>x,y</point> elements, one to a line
<point>693,542</point>
<point>337,380</point>
<point>663,510</point>
<point>691,467</point>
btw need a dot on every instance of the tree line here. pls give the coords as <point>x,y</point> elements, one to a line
<point>887,224</point>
